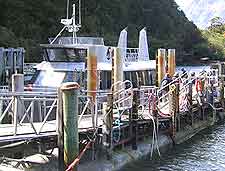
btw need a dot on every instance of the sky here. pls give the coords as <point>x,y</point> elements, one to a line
<point>202,11</point>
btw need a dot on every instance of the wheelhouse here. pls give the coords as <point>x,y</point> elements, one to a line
<point>65,62</point>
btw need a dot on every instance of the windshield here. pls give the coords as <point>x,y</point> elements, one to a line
<point>65,55</point>
<point>49,78</point>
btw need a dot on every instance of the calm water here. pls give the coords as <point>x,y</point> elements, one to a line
<point>204,152</point>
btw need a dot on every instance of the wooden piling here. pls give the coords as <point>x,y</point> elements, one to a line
<point>161,64</point>
<point>60,128</point>
<point>70,92</point>
<point>107,127</point>
<point>92,73</point>
<point>173,108</point>
<point>133,119</point>
<point>171,62</point>
<point>118,67</point>
<point>17,86</point>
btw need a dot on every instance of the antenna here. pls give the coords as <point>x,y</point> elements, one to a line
<point>67,9</point>
<point>80,13</point>
<point>71,24</point>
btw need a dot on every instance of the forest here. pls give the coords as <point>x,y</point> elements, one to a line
<point>29,23</point>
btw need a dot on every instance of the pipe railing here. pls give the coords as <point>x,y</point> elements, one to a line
<point>21,106</point>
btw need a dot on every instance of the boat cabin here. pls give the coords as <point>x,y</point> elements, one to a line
<point>65,61</point>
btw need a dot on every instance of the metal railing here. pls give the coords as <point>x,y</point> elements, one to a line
<point>19,109</point>
<point>122,94</point>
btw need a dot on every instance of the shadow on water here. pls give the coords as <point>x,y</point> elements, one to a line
<point>203,152</point>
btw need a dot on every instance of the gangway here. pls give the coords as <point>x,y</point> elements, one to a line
<point>31,115</point>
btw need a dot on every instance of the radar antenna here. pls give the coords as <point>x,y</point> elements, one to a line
<point>73,24</point>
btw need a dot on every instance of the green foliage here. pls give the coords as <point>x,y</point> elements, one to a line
<point>30,23</point>
<point>215,38</point>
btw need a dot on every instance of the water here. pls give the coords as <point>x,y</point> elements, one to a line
<point>204,152</point>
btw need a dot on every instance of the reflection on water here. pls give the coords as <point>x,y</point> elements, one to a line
<point>204,152</point>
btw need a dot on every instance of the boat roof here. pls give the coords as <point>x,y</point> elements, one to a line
<point>80,66</point>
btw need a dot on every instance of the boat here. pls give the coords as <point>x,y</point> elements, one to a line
<point>119,103</point>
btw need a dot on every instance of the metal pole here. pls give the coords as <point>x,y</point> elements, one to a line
<point>67,9</point>
<point>70,92</point>
<point>79,13</point>
<point>74,24</point>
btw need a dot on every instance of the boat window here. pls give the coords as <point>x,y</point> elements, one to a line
<point>153,76</point>
<point>76,76</point>
<point>127,75</point>
<point>105,80</point>
<point>66,55</point>
<point>134,78</point>
<point>49,78</point>
<point>146,77</point>
<point>141,78</point>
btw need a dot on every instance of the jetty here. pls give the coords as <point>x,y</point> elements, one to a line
<point>102,123</point>
<point>91,106</point>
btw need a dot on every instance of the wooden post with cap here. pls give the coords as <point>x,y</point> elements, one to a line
<point>70,92</point>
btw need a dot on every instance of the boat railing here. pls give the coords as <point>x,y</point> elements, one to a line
<point>148,96</point>
<point>131,55</point>
<point>122,94</point>
<point>4,89</point>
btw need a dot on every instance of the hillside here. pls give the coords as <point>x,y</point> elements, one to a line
<point>202,11</point>
<point>215,38</point>
<point>28,23</point>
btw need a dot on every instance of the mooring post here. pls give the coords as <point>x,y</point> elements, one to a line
<point>107,127</point>
<point>70,92</point>
<point>161,64</point>
<point>171,61</point>
<point>17,86</point>
<point>92,80</point>
<point>60,128</point>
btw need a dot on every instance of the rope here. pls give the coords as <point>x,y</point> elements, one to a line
<point>154,134</point>
<point>82,152</point>
<point>77,159</point>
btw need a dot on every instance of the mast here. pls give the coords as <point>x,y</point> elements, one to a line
<point>71,24</point>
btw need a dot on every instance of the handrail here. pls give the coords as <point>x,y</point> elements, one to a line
<point>85,108</point>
